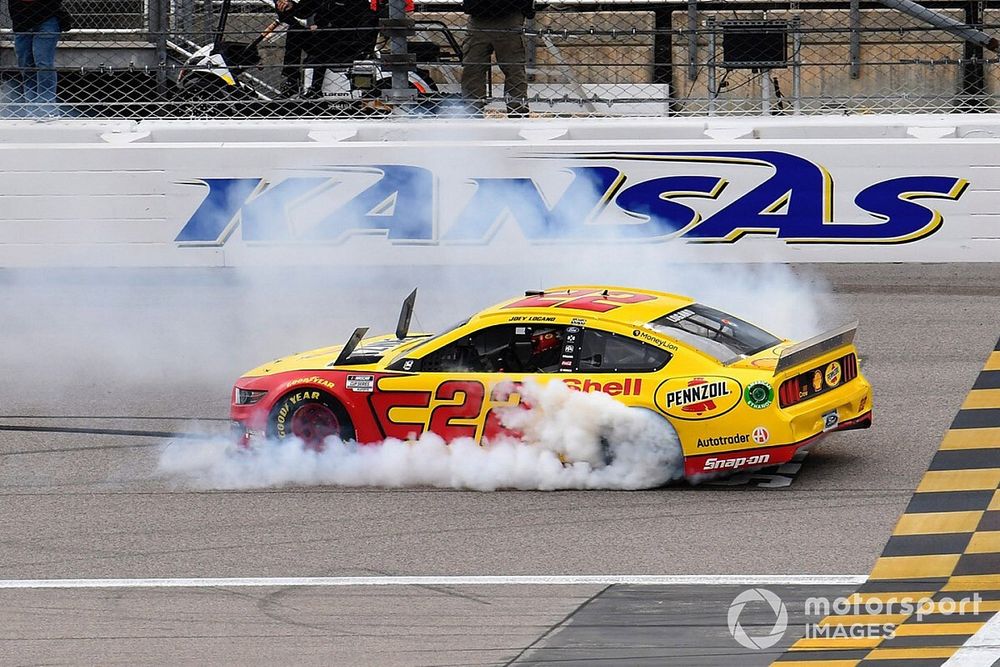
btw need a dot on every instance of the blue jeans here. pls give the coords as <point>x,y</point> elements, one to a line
<point>36,58</point>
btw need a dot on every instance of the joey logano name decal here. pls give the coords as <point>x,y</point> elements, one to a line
<point>699,397</point>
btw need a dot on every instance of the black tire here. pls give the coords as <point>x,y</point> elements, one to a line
<point>208,95</point>
<point>306,414</point>
<point>607,451</point>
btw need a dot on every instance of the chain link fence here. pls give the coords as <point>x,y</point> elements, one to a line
<point>231,58</point>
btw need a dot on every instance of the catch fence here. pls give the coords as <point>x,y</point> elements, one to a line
<point>168,59</point>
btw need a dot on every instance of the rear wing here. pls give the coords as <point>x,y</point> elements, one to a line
<point>816,346</point>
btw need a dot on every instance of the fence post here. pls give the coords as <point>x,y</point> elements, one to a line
<point>855,39</point>
<point>973,65</point>
<point>692,11</point>
<point>159,14</point>
<point>712,92</point>
<point>796,65</point>
<point>398,26</point>
<point>663,54</point>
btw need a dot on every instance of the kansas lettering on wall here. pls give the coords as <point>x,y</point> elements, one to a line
<point>793,203</point>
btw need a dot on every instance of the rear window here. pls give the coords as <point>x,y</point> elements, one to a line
<point>720,331</point>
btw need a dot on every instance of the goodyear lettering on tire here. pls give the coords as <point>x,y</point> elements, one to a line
<point>284,412</point>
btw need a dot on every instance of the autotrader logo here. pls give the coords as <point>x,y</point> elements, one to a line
<point>768,638</point>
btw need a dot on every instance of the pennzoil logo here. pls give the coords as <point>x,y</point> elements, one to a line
<point>698,397</point>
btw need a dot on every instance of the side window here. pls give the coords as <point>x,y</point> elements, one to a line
<point>505,348</point>
<point>605,352</point>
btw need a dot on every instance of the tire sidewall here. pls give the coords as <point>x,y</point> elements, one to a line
<point>279,422</point>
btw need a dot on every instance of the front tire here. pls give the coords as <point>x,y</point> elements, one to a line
<point>310,415</point>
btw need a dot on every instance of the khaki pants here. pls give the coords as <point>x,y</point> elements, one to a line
<point>502,36</point>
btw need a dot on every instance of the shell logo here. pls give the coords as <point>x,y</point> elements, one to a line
<point>698,397</point>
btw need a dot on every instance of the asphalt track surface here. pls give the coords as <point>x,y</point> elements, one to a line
<point>99,366</point>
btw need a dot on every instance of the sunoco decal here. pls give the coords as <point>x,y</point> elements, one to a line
<point>778,194</point>
<point>698,397</point>
<point>833,374</point>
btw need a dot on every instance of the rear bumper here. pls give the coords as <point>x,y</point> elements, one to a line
<point>850,401</point>
<point>748,459</point>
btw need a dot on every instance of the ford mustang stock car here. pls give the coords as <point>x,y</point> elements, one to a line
<point>737,396</point>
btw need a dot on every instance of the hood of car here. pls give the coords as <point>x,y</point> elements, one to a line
<point>368,355</point>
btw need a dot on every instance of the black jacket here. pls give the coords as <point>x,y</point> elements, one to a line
<point>331,13</point>
<point>28,14</point>
<point>494,9</point>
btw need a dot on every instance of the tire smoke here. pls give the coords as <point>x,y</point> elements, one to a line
<point>610,445</point>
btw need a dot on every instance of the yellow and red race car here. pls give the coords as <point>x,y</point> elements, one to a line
<point>736,396</point>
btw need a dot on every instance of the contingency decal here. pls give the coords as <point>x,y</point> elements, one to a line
<point>698,397</point>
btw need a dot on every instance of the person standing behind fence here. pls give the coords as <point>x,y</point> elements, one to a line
<point>496,26</point>
<point>36,25</point>
<point>297,39</point>
<point>336,33</point>
<point>347,32</point>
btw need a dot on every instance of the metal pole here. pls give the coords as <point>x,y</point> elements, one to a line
<point>399,60</point>
<point>692,39</point>
<point>158,18</point>
<point>765,92</point>
<point>945,23</point>
<point>711,67</point>
<point>855,39</point>
<point>973,64</point>
<point>796,66</point>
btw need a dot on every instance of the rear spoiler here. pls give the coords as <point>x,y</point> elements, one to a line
<point>816,346</point>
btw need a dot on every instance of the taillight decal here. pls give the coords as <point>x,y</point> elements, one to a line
<point>810,383</point>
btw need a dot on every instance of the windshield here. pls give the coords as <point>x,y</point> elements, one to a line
<point>723,331</point>
<point>410,351</point>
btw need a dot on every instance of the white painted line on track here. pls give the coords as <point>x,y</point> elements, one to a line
<point>512,580</point>
<point>982,648</point>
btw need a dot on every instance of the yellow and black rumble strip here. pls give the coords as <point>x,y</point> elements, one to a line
<point>945,550</point>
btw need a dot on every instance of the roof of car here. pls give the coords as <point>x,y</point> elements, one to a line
<point>624,304</point>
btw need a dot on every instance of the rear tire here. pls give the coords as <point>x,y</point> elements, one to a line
<point>311,416</point>
<point>645,444</point>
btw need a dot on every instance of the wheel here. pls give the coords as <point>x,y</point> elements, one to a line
<point>210,96</point>
<point>645,445</point>
<point>310,415</point>
<point>607,451</point>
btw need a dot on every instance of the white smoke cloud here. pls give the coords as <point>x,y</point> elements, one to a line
<point>586,429</point>
<point>170,342</point>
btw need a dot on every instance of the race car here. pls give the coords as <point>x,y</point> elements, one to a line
<point>736,396</point>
